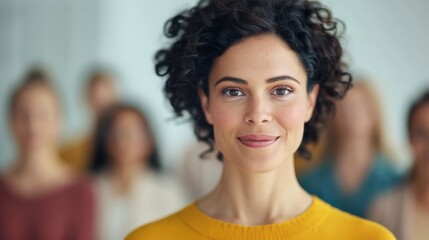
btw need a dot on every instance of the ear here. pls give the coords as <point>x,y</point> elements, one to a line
<point>204,100</point>
<point>311,103</point>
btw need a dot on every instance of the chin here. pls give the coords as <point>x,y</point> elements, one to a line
<point>258,163</point>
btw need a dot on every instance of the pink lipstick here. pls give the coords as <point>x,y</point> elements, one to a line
<point>257,141</point>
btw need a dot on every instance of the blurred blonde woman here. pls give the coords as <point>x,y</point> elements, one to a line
<point>356,167</point>
<point>39,197</point>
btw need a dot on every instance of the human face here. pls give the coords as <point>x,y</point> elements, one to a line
<point>128,143</point>
<point>35,120</point>
<point>258,103</point>
<point>419,138</point>
<point>101,95</point>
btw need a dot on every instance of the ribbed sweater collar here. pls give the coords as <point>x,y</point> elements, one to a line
<point>216,229</point>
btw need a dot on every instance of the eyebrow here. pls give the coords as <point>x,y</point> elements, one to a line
<point>281,78</point>
<point>244,82</point>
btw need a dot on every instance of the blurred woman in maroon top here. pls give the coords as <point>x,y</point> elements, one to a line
<point>39,197</point>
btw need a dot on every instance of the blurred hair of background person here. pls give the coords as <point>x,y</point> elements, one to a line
<point>356,167</point>
<point>302,164</point>
<point>405,210</point>
<point>131,189</point>
<point>40,198</point>
<point>101,93</point>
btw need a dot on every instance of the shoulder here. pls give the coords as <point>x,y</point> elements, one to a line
<point>3,186</point>
<point>83,182</point>
<point>166,228</point>
<point>343,225</point>
<point>82,188</point>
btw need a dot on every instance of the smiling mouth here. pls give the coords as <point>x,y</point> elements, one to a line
<point>258,141</point>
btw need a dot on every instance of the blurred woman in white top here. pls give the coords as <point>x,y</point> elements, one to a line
<point>131,190</point>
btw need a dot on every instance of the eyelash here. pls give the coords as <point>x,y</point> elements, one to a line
<point>226,90</point>
<point>286,88</point>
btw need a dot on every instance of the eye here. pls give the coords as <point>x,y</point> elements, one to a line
<point>232,92</point>
<point>282,91</point>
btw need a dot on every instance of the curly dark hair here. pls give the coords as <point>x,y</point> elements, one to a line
<point>206,31</point>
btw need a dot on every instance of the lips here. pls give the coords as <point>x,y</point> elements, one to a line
<point>257,141</point>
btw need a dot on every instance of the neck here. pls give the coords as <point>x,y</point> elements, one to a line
<point>354,150</point>
<point>38,172</point>
<point>125,175</point>
<point>256,198</point>
<point>36,165</point>
<point>353,158</point>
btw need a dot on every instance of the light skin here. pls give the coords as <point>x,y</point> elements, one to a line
<point>419,139</point>
<point>129,147</point>
<point>101,95</point>
<point>258,104</point>
<point>354,125</point>
<point>36,124</point>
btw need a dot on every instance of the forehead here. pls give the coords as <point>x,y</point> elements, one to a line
<point>100,83</point>
<point>258,58</point>
<point>36,95</point>
<point>128,117</point>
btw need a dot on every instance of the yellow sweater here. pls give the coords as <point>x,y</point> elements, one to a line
<point>320,221</point>
<point>76,154</point>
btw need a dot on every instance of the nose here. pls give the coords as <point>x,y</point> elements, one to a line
<point>258,112</point>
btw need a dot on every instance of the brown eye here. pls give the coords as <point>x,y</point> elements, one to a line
<point>281,91</point>
<point>232,92</point>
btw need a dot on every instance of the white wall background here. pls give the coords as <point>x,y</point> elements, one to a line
<point>386,39</point>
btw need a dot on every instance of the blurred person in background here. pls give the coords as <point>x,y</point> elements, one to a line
<point>131,189</point>
<point>40,197</point>
<point>356,167</point>
<point>405,210</point>
<point>200,172</point>
<point>101,93</point>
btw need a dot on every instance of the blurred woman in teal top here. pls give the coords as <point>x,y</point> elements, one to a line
<point>356,167</point>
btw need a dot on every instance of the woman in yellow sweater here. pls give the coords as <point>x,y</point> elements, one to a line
<point>257,78</point>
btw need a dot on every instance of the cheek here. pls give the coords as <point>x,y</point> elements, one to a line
<point>291,116</point>
<point>226,116</point>
<point>128,149</point>
<point>37,126</point>
<point>226,119</point>
<point>17,125</point>
<point>55,124</point>
<point>137,149</point>
<point>418,148</point>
